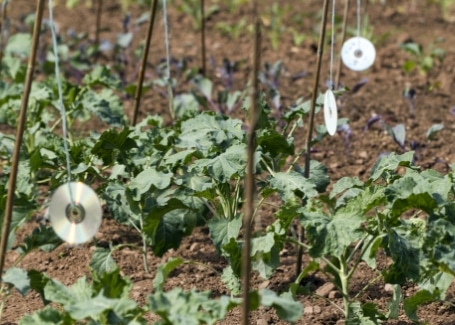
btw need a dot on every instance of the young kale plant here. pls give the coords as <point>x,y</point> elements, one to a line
<point>394,216</point>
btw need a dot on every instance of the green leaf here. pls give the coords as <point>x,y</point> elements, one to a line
<point>38,282</point>
<point>265,253</point>
<point>223,230</point>
<point>102,261</point>
<point>394,304</point>
<point>273,142</point>
<point>163,272</point>
<point>205,86</point>
<point>204,131</point>
<point>80,291</point>
<point>225,166</point>
<point>434,130</point>
<point>101,76</point>
<point>411,304</point>
<point>111,284</point>
<point>18,278</point>
<point>292,184</point>
<point>231,280</point>
<point>412,48</point>
<point>95,307</point>
<point>112,143</point>
<point>286,308</point>
<point>106,105</point>
<point>165,226</point>
<point>46,316</point>
<point>390,163</point>
<point>43,238</point>
<point>319,175</point>
<point>144,181</point>
<point>19,44</point>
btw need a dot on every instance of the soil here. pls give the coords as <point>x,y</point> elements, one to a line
<point>392,23</point>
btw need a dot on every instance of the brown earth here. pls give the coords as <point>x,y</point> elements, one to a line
<point>392,23</point>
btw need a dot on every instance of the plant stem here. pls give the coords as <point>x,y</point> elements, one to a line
<point>20,134</point>
<point>314,96</point>
<point>344,280</point>
<point>249,180</point>
<point>203,70</point>
<point>145,53</point>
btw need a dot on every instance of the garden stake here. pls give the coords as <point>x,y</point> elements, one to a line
<point>314,96</point>
<point>203,37</point>
<point>99,10</point>
<point>20,133</point>
<point>140,81</point>
<point>249,181</point>
<point>343,36</point>
<point>3,28</point>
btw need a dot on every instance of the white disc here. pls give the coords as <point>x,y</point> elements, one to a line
<point>330,112</point>
<point>78,223</point>
<point>358,53</point>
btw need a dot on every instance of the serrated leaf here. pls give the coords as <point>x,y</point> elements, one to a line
<point>43,238</point>
<point>231,281</point>
<point>19,44</point>
<point>102,261</point>
<point>80,291</point>
<point>390,163</point>
<point>163,272</point>
<point>273,142</point>
<point>18,278</point>
<point>94,307</point>
<point>112,143</point>
<point>344,184</point>
<point>106,105</point>
<point>144,181</point>
<point>111,284</point>
<point>204,131</point>
<point>101,75</point>
<point>225,166</point>
<point>292,184</point>
<point>46,316</point>
<point>411,304</point>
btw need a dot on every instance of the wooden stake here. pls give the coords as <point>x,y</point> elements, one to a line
<point>343,36</point>
<point>140,80</point>
<point>19,134</point>
<point>2,28</point>
<point>99,10</point>
<point>249,180</point>
<point>203,37</point>
<point>314,97</point>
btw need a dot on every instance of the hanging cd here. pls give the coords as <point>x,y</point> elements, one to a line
<point>330,112</point>
<point>358,53</point>
<point>75,221</point>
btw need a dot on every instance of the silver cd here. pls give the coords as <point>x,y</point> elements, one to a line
<point>78,219</point>
<point>358,54</point>
<point>330,112</point>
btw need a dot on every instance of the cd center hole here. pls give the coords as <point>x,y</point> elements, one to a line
<point>75,214</point>
<point>358,53</point>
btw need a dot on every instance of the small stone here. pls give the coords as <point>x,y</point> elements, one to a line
<point>341,322</point>
<point>325,289</point>
<point>99,236</point>
<point>261,322</point>
<point>312,310</point>
<point>194,247</point>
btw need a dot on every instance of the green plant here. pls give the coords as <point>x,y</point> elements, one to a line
<point>424,60</point>
<point>193,9</point>
<point>232,30</point>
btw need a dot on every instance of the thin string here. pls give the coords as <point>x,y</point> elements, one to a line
<point>358,18</point>
<point>332,46</point>
<point>60,98</point>
<point>166,41</point>
<point>168,60</point>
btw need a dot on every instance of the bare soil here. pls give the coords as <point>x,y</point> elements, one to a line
<point>393,23</point>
